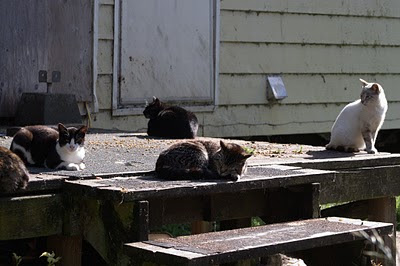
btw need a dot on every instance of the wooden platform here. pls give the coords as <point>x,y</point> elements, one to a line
<point>118,199</point>
<point>246,243</point>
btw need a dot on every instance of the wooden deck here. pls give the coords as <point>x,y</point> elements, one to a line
<point>102,203</point>
<point>233,245</point>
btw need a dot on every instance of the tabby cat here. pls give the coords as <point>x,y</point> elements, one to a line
<point>357,125</point>
<point>197,159</point>
<point>13,173</point>
<point>170,121</point>
<point>45,146</point>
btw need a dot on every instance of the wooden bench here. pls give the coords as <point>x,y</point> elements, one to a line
<point>245,243</point>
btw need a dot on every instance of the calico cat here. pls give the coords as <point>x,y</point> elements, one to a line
<point>358,123</point>
<point>45,146</point>
<point>13,173</point>
<point>198,159</point>
<point>170,121</point>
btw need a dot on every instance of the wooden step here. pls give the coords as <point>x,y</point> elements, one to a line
<point>245,243</point>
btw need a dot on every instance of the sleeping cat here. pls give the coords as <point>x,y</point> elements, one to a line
<point>13,173</point>
<point>45,146</point>
<point>170,121</point>
<point>358,123</point>
<point>198,159</point>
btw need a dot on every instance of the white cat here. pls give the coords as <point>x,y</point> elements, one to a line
<point>358,123</point>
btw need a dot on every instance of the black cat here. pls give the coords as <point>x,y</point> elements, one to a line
<point>170,121</point>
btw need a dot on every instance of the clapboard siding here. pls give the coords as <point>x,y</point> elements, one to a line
<point>320,48</point>
<point>238,26</point>
<point>302,88</point>
<point>293,58</point>
<point>377,8</point>
<point>261,120</point>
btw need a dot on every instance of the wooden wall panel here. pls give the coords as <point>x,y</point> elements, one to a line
<point>52,35</point>
<point>377,8</point>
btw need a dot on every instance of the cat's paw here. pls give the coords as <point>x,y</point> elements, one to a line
<point>82,166</point>
<point>72,167</point>
<point>372,151</point>
<point>234,177</point>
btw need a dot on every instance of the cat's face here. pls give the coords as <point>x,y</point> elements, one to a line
<point>151,111</point>
<point>370,92</point>
<point>71,138</point>
<point>230,161</point>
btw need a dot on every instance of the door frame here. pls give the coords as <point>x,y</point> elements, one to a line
<point>120,110</point>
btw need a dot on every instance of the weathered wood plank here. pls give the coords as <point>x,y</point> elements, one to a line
<point>325,88</point>
<point>294,58</point>
<point>147,187</point>
<point>105,57</point>
<point>68,248</point>
<point>233,245</point>
<point>385,8</point>
<point>363,183</point>
<point>346,161</point>
<point>106,227</point>
<point>290,28</point>
<point>377,209</point>
<point>30,216</point>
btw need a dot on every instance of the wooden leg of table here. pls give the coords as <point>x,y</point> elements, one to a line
<point>380,210</point>
<point>200,227</point>
<point>233,224</point>
<point>384,210</point>
<point>69,248</point>
<point>140,221</point>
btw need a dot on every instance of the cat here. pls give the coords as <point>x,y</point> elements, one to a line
<point>357,125</point>
<point>170,121</point>
<point>197,159</point>
<point>45,146</point>
<point>13,173</point>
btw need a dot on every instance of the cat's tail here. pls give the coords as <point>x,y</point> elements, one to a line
<point>171,173</point>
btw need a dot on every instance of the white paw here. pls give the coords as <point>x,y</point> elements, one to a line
<point>72,167</point>
<point>372,151</point>
<point>82,166</point>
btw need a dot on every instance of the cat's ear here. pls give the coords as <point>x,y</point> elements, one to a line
<point>364,82</point>
<point>62,128</point>
<point>375,88</point>
<point>223,145</point>
<point>156,101</point>
<point>146,103</point>
<point>82,130</point>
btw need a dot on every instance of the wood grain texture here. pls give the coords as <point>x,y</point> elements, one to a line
<point>233,245</point>
<point>30,216</point>
<point>45,35</point>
